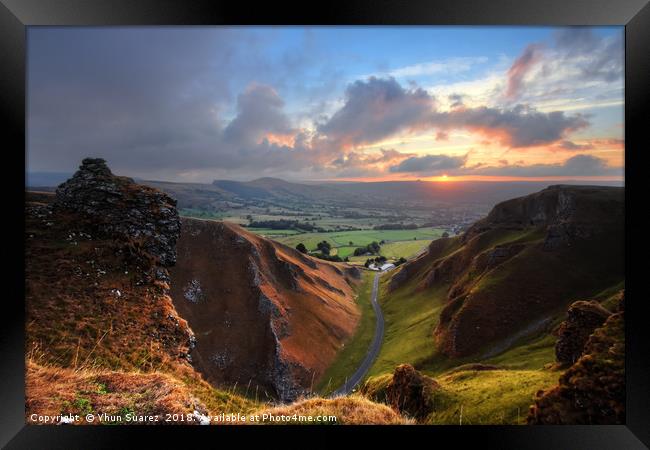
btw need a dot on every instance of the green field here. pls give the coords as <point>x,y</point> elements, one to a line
<point>356,348</point>
<point>404,248</point>
<point>361,237</point>
<point>398,243</point>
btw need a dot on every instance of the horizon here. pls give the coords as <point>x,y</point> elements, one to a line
<point>330,104</point>
<point>63,176</point>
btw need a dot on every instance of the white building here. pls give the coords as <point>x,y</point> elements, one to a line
<point>387,266</point>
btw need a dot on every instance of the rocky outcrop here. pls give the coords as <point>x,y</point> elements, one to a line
<point>410,393</point>
<point>591,391</point>
<point>117,207</point>
<point>583,318</point>
<point>96,256</point>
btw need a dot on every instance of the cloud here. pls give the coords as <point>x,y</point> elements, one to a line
<point>521,126</point>
<point>376,109</point>
<point>455,100</point>
<point>569,145</point>
<point>579,165</point>
<point>260,112</point>
<point>430,164</point>
<point>380,108</point>
<point>206,103</point>
<point>447,66</point>
<point>597,58</point>
<point>520,68</point>
<point>442,136</point>
<point>576,68</point>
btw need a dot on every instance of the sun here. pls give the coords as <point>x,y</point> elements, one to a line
<point>444,177</point>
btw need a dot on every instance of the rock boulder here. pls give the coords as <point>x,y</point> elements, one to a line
<point>583,318</point>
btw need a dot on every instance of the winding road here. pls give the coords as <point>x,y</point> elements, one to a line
<point>373,351</point>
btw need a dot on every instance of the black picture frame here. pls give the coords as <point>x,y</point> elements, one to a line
<point>17,15</point>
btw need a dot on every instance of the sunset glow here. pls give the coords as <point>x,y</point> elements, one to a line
<point>384,103</point>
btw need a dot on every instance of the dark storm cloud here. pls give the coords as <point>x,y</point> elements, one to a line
<point>375,109</point>
<point>154,101</point>
<point>521,126</point>
<point>431,164</point>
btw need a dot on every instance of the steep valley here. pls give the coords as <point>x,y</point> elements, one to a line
<point>131,308</point>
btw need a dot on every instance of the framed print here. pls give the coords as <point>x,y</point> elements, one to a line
<point>410,218</point>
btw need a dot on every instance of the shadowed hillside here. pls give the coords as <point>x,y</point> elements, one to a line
<point>521,265</point>
<point>264,314</point>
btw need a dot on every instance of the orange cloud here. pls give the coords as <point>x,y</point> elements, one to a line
<point>285,140</point>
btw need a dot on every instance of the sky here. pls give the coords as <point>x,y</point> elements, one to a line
<point>195,104</point>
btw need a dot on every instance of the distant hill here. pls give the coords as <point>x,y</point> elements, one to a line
<point>357,194</point>
<point>276,189</point>
<point>477,192</point>
<point>427,192</point>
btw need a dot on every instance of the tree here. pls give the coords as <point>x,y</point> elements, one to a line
<point>445,235</point>
<point>324,247</point>
<point>367,263</point>
<point>350,243</point>
<point>301,248</point>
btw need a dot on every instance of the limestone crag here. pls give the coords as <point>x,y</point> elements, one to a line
<point>117,207</point>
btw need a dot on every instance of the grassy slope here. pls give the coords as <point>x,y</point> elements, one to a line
<point>356,348</point>
<point>409,323</point>
<point>501,396</point>
<point>481,397</point>
<point>78,329</point>
<point>353,410</point>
